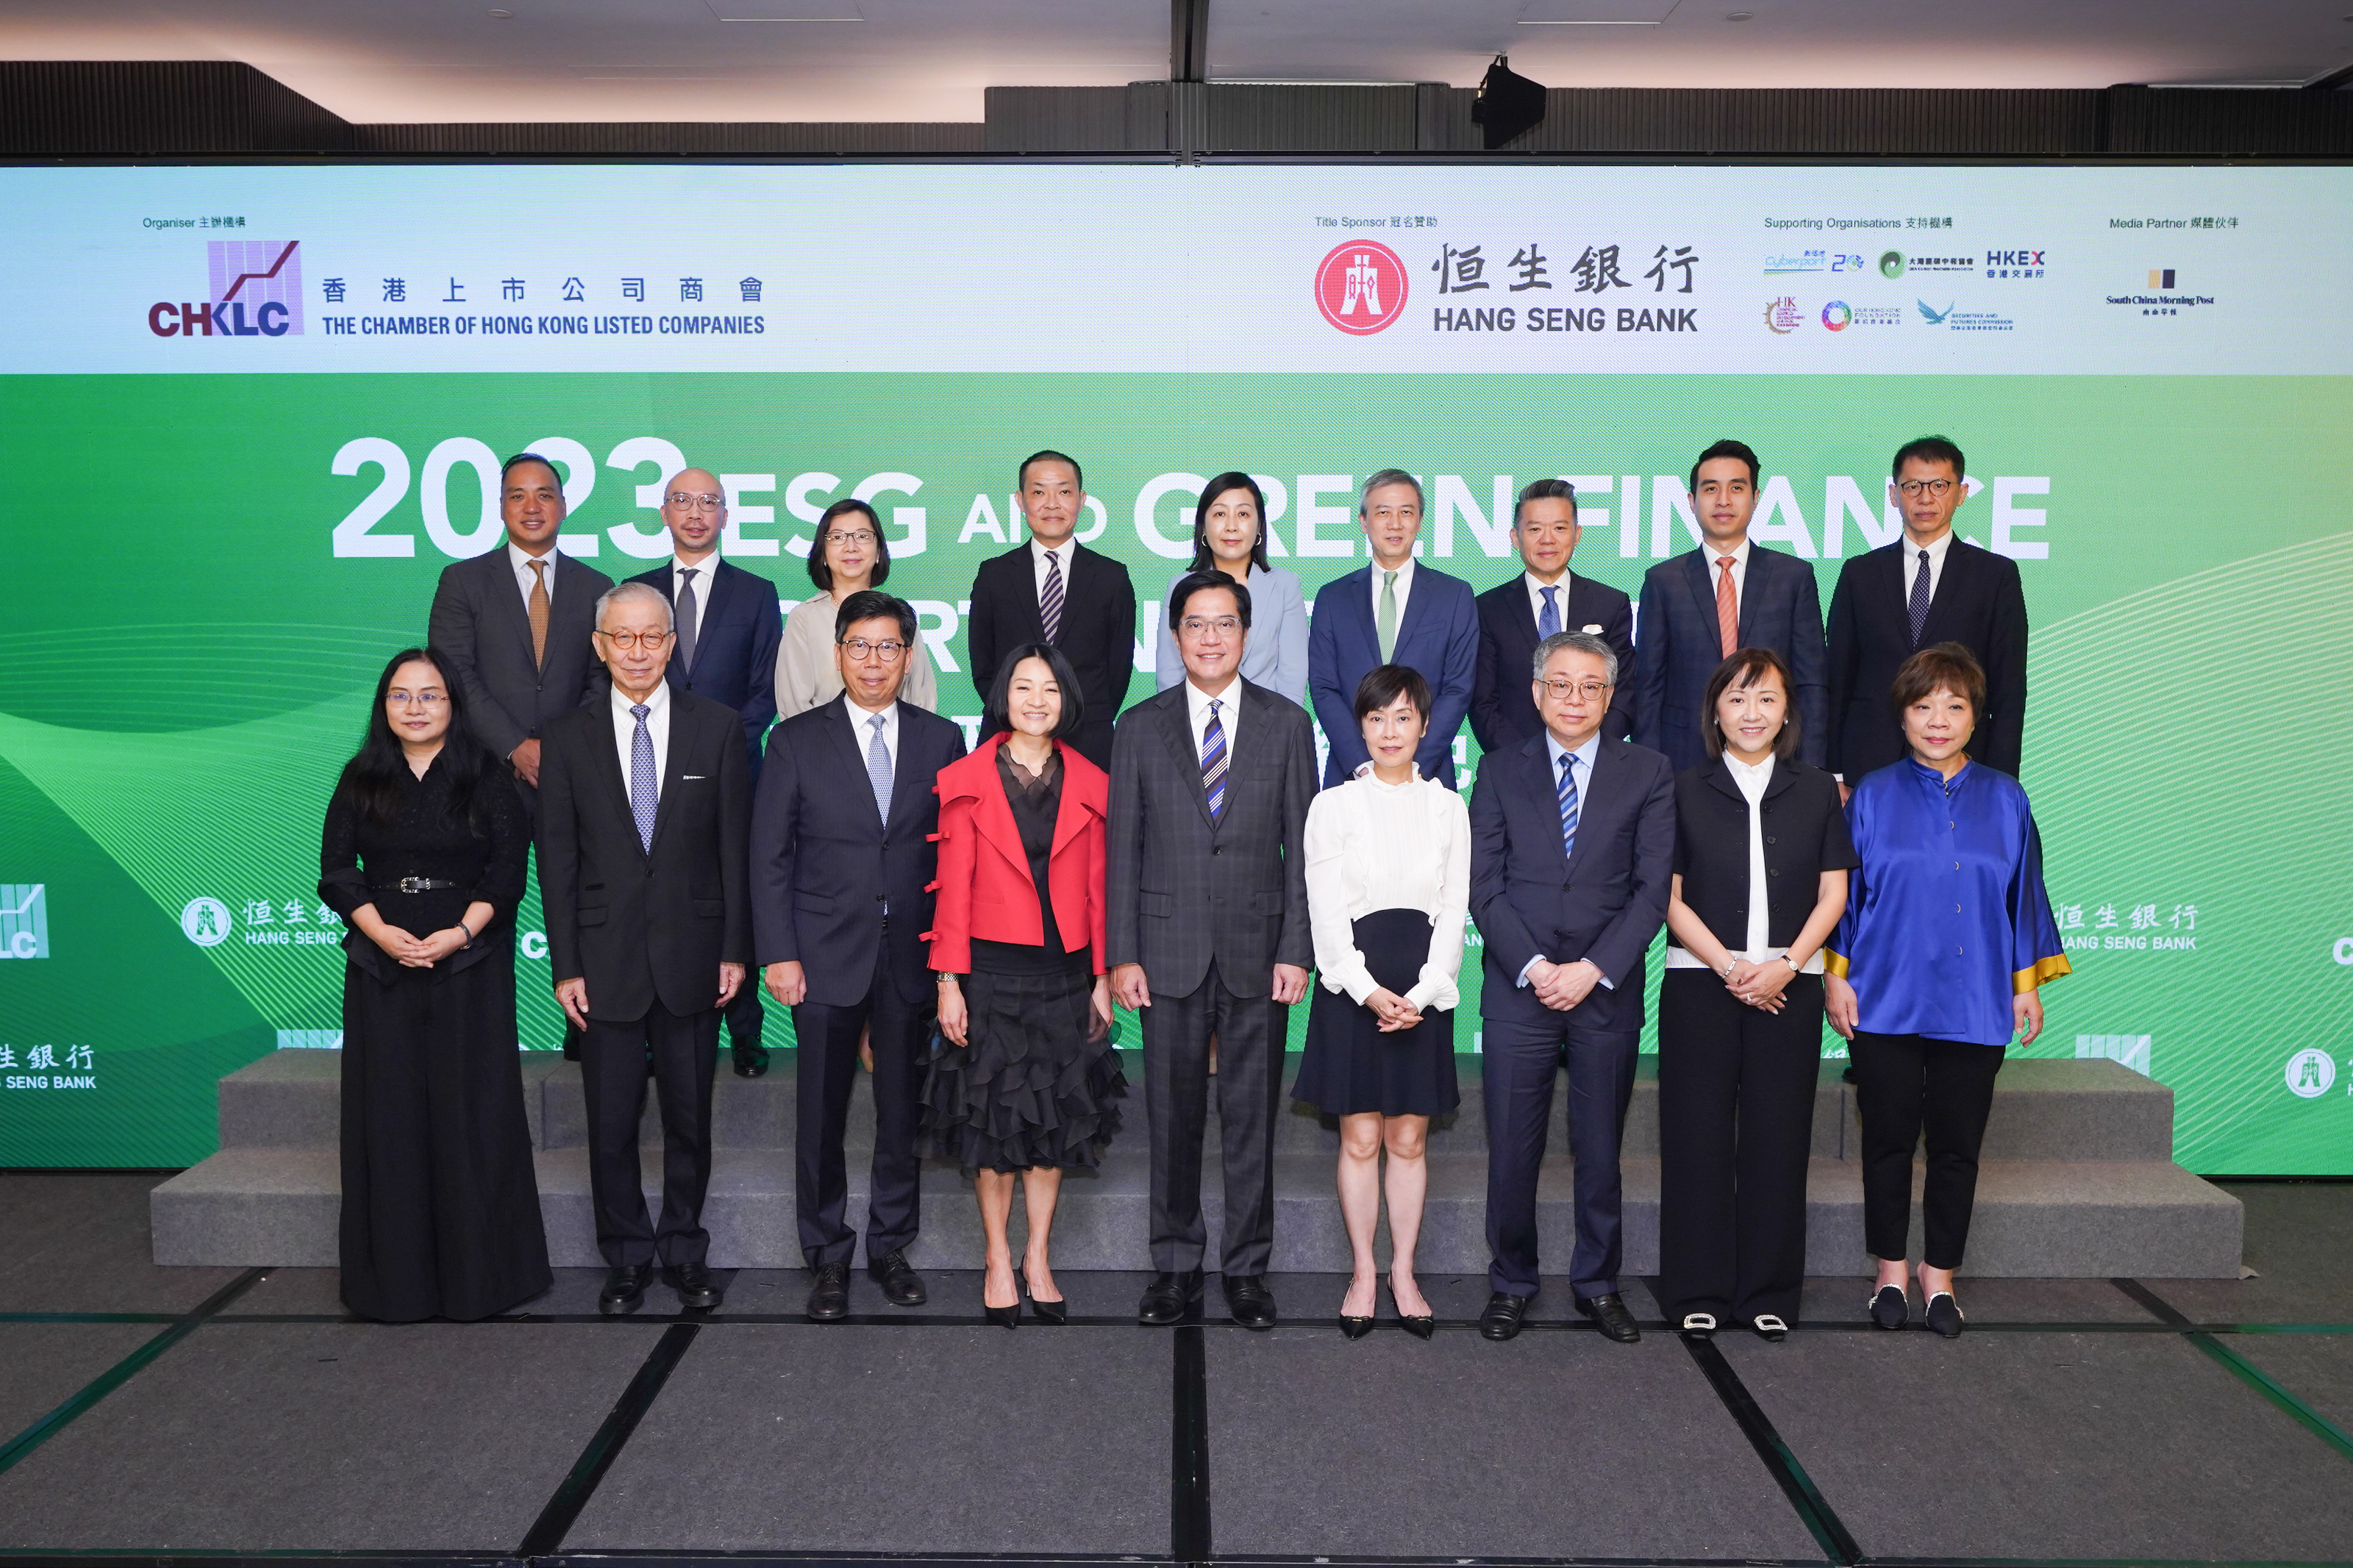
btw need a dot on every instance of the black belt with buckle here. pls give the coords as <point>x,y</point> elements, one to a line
<point>417,885</point>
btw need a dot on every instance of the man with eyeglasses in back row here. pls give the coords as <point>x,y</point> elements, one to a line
<point>726,628</point>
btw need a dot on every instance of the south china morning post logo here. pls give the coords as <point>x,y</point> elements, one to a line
<point>253,289</point>
<point>1360,287</point>
<point>23,920</point>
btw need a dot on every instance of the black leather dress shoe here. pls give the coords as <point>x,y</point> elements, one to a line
<point>625,1288</point>
<point>829,1299</point>
<point>697,1291</point>
<point>902,1286</point>
<point>1502,1317</point>
<point>751,1058</point>
<point>1610,1315</point>
<point>1250,1302</point>
<point>1169,1298</point>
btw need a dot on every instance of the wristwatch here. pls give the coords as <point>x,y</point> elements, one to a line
<point>947,977</point>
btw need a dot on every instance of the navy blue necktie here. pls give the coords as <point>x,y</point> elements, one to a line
<point>1919,605</point>
<point>1548,622</point>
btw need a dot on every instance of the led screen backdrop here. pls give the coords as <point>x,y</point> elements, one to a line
<point>247,415</point>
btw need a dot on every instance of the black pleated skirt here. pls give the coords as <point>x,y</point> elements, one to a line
<point>1031,1089</point>
<point>1352,1068</point>
<point>440,1216</point>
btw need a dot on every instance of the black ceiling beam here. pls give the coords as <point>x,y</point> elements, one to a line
<point>1188,41</point>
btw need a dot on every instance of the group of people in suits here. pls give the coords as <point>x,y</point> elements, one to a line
<point>723,801</point>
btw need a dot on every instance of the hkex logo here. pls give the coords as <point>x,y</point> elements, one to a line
<point>255,291</point>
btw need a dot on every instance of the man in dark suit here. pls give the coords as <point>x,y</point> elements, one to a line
<point>842,863</point>
<point>1546,598</point>
<point>516,622</point>
<point>1055,590</point>
<point>1731,593</point>
<point>1395,611</point>
<point>726,626</point>
<point>645,805</point>
<point>1572,843</point>
<point>1925,588</point>
<point>1207,933</point>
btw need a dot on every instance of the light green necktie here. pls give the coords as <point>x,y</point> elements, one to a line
<point>1387,625</point>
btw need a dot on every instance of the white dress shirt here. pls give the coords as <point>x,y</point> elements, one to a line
<point>1752,781</point>
<point>1197,708</point>
<point>861,731</point>
<point>1373,846</point>
<point>1937,553</point>
<point>1536,585</point>
<point>625,732</point>
<point>697,587</point>
<point>1740,559</point>
<point>521,560</point>
<point>1063,554</point>
<point>1404,592</point>
<point>1581,769</point>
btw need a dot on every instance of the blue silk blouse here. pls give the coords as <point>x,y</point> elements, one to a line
<point>1947,918</point>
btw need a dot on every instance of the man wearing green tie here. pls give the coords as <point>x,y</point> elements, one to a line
<point>1395,611</point>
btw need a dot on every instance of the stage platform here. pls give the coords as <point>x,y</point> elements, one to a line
<point>2078,1180</point>
<point>152,1413</point>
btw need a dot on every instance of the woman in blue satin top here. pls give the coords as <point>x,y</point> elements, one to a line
<point>1935,968</point>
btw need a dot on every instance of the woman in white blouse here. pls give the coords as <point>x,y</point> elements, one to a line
<point>1389,883</point>
<point>849,554</point>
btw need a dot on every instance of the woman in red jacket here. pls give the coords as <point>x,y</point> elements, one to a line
<point>1023,1081</point>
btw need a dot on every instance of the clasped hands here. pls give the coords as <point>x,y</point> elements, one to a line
<point>1761,984</point>
<point>1561,986</point>
<point>420,952</point>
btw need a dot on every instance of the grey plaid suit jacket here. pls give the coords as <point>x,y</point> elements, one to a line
<point>1183,889</point>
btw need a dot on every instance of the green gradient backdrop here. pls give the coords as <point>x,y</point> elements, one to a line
<point>188,660</point>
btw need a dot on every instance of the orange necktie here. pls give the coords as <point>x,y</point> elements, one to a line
<point>1727,613</point>
<point>538,612</point>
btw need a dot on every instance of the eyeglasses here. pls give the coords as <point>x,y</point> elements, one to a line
<point>1561,690</point>
<point>1196,627</point>
<point>685,502</point>
<point>651,641</point>
<point>426,699</point>
<point>1915,488</point>
<point>850,536</point>
<point>886,650</point>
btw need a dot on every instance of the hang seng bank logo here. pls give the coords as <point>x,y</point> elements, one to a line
<point>1360,287</point>
<point>254,289</point>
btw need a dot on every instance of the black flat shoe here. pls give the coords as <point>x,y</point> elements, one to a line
<point>1169,1298</point>
<point>1889,1308</point>
<point>1944,1317</point>
<point>625,1288</point>
<point>1698,1325</point>
<point>1502,1317</point>
<point>1056,1312</point>
<point>902,1286</point>
<point>1420,1327</point>
<point>750,1060</point>
<point>697,1292</point>
<point>1770,1328</point>
<point>828,1297</point>
<point>1250,1302</point>
<point>1610,1315</point>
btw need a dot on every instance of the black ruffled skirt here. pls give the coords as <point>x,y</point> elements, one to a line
<point>1350,1067</point>
<point>1031,1089</point>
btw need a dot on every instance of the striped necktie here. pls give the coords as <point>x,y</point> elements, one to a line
<point>1049,597</point>
<point>1213,763</point>
<point>1567,802</point>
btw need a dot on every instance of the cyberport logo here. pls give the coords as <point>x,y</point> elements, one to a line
<point>255,292</point>
<point>1360,287</point>
<point>23,920</point>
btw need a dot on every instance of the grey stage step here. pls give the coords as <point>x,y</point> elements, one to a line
<point>2076,1181</point>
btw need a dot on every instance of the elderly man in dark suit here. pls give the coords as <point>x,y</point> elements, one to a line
<point>516,622</point>
<point>1055,590</point>
<point>1928,587</point>
<point>1572,843</point>
<point>644,806</point>
<point>1547,597</point>
<point>1207,934</point>
<point>842,865</point>
<point>1728,594</point>
<point>1394,611</point>
<point>727,628</point>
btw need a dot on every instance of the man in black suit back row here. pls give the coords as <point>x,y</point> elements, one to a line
<point>1926,586</point>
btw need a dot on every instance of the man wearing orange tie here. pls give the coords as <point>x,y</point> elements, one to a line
<point>1731,593</point>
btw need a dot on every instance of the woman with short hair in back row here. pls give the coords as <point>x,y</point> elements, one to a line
<point>1947,939</point>
<point>1761,874</point>
<point>423,857</point>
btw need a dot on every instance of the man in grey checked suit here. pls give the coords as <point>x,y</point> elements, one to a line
<point>1209,936</point>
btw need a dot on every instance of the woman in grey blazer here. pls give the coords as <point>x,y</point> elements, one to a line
<point>1230,536</point>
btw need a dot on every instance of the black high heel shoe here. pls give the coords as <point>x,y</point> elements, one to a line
<point>1054,1312</point>
<point>1356,1328</point>
<point>1421,1327</point>
<point>1010,1316</point>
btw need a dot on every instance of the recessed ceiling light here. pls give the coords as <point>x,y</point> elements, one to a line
<point>1740,16</point>
<point>501,16</point>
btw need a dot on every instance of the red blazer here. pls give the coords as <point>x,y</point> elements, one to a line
<point>985,889</point>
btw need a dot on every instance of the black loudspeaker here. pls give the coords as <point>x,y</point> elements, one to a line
<point>1508,104</point>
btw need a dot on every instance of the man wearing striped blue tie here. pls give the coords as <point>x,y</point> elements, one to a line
<point>1572,843</point>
